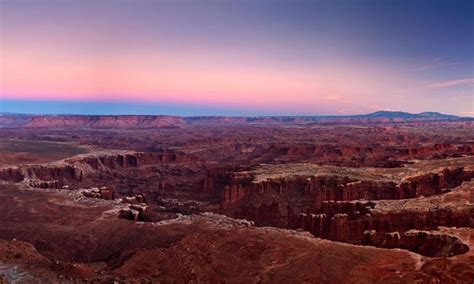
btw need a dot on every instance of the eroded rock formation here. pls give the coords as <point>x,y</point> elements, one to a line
<point>427,243</point>
<point>278,201</point>
<point>104,192</point>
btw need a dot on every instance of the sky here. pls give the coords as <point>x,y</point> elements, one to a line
<point>244,57</point>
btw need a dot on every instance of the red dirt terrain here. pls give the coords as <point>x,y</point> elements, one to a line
<point>237,200</point>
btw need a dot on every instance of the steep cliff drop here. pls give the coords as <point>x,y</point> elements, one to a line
<point>368,206</point>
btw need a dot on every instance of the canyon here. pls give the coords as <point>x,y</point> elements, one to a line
<point>386,197</point>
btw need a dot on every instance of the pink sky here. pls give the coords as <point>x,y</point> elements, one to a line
<point>105,53</point>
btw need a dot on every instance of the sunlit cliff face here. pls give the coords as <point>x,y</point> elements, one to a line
<point>313,59</point>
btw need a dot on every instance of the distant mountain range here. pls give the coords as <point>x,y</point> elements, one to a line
<point>382,114</point>
<point>159,121</point>
<point>401,114</point>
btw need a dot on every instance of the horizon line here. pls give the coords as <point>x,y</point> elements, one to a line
<point>103,107</point>
<point>235,116</point>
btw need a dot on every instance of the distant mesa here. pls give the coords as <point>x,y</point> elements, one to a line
<point>166,121</point>
<point>407,115</point>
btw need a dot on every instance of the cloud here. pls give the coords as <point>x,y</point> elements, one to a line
<point>450,83</point>
<point>337,99</point>
<point>439,62</point>
<point>467,113</point>
<point>441,85</point>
